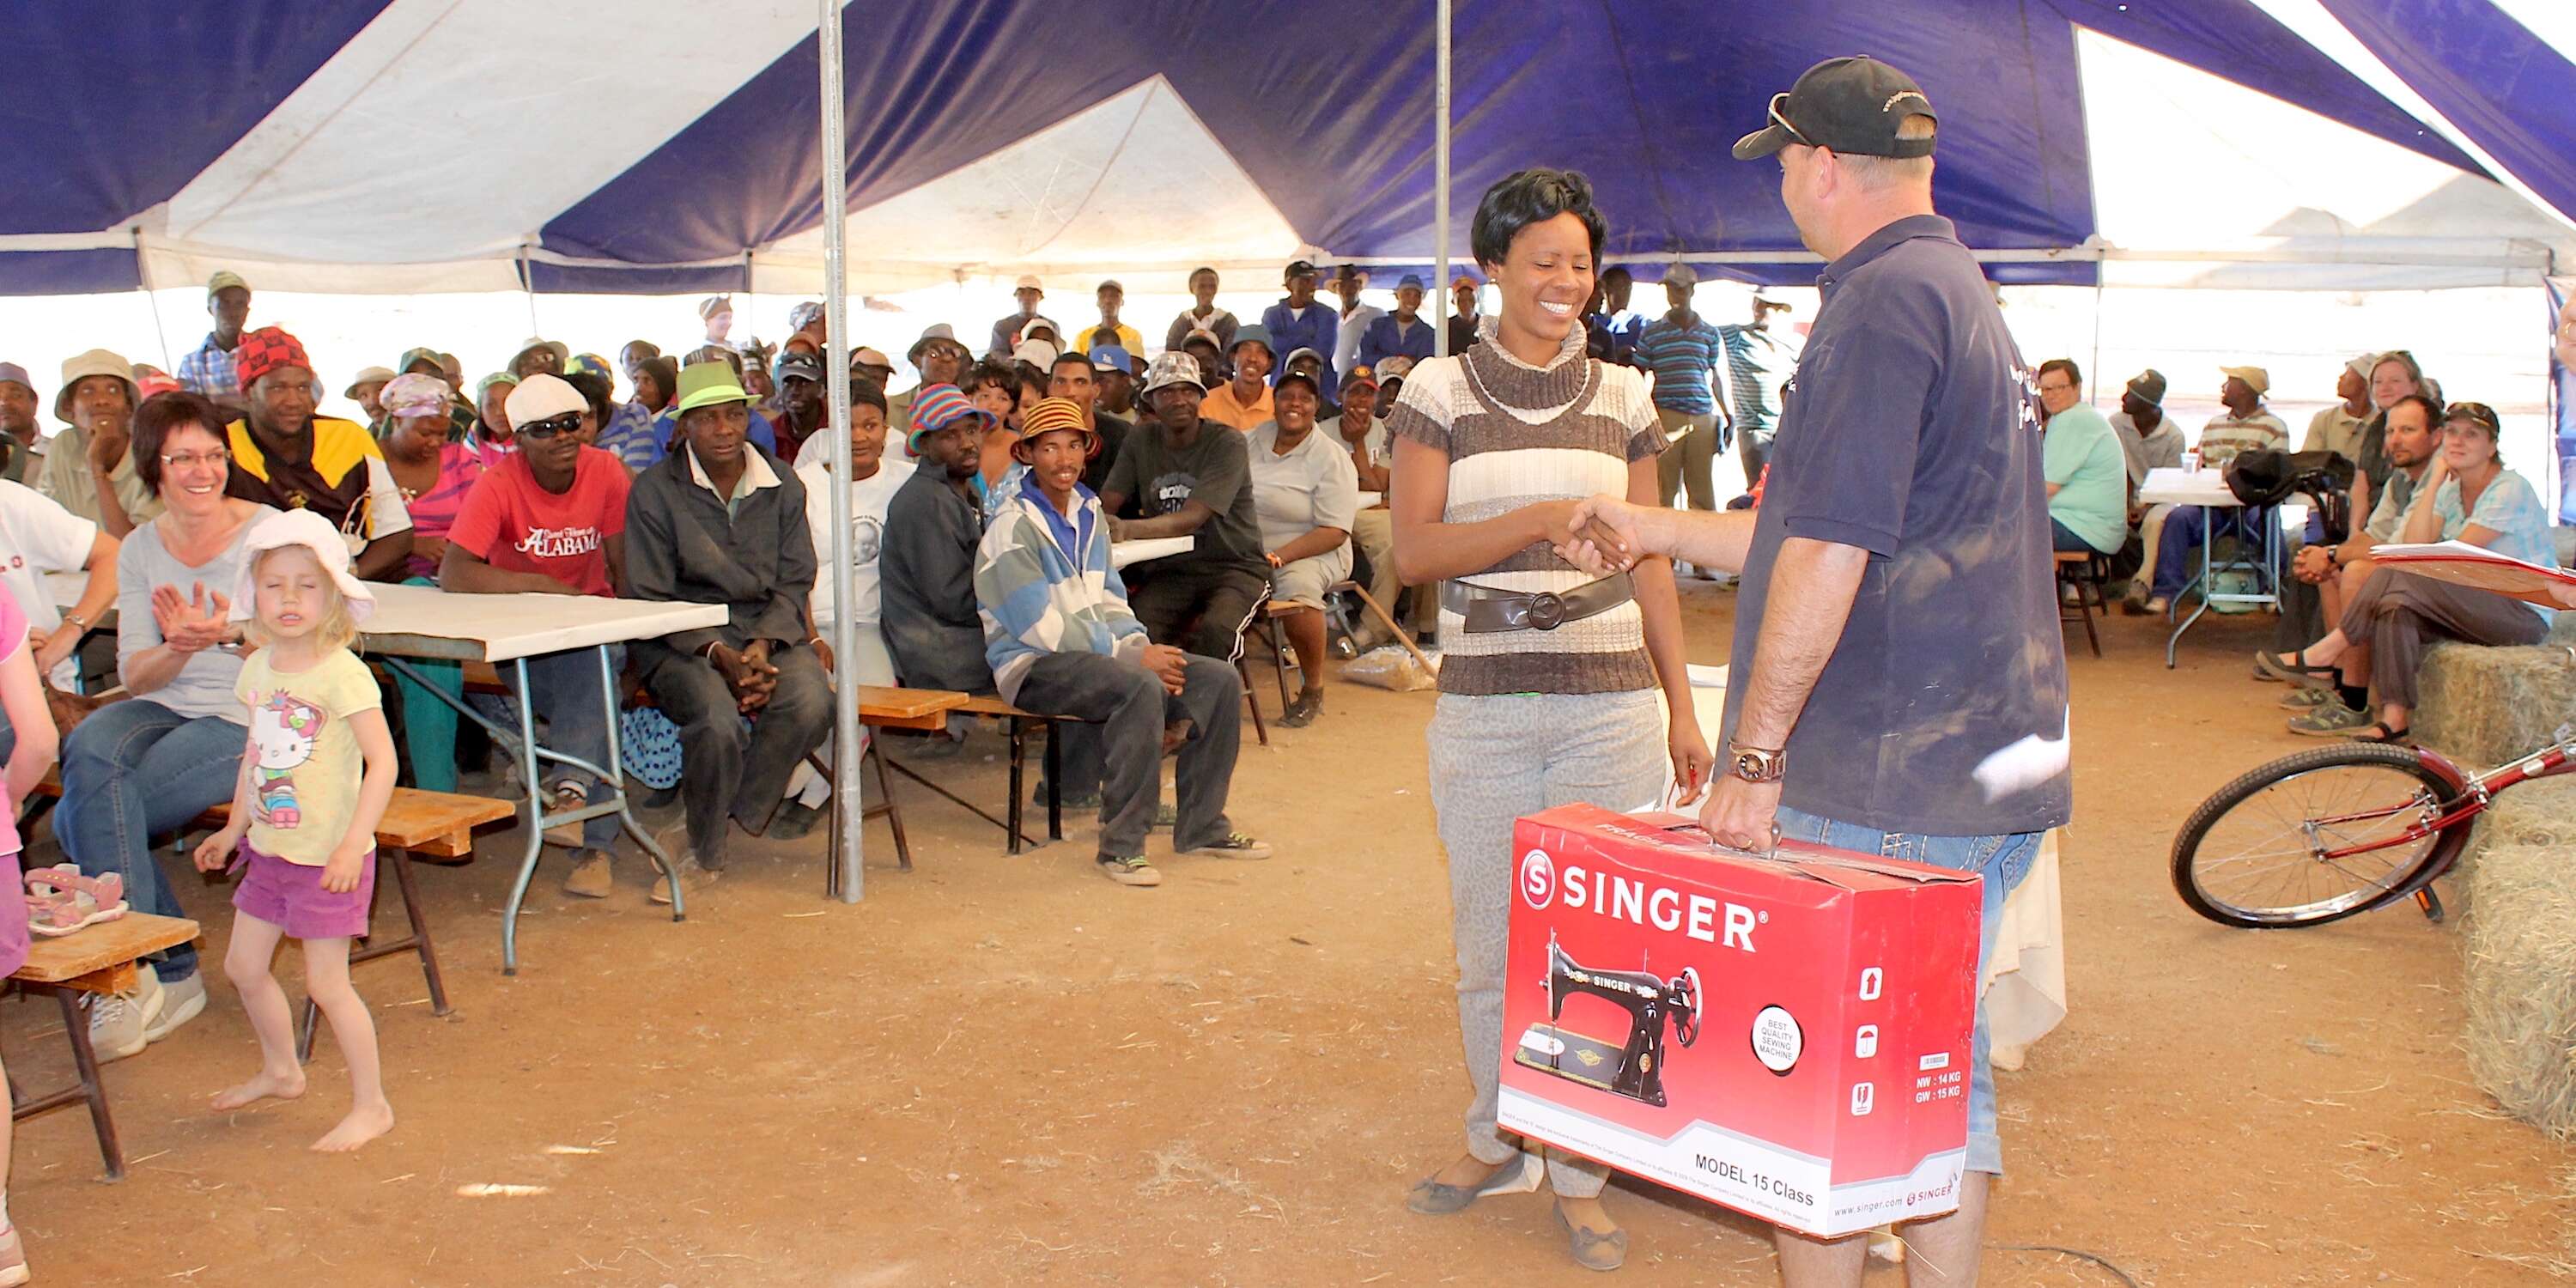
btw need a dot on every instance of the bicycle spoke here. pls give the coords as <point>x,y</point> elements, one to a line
<point>2264,858</point>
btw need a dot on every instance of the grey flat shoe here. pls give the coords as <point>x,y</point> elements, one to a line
<point>1432,1198</point>
<point>1593,1251</point>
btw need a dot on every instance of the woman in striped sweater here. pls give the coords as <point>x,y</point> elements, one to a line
<point>1547,692</point>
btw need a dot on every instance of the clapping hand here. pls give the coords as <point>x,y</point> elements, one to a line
<point>195,623</point>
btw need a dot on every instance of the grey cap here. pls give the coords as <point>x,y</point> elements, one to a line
<point>2149,386</point>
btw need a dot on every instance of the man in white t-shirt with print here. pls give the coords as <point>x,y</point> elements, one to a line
<point>39,537</point>
<point>873,483</point>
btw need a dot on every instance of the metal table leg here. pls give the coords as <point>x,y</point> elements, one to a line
<point>613,774</point>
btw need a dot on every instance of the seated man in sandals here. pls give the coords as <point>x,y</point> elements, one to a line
<point>2466,495</point>
<point>1063,642</point>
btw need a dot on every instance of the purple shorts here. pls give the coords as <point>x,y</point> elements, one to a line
<point>13,915</point>
<point>290,895</point>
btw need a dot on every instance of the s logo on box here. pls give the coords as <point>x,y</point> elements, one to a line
<point>1538,879</point>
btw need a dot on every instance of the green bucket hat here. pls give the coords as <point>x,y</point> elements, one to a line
<point>484,386</point>
<point>704,384</point>
<point>413,356</point>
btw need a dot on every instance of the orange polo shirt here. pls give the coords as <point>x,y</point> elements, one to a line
<point>1222,407</point>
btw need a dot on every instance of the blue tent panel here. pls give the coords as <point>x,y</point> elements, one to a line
<point>69,272</point>
<point>2512,94</point>
<point>114,105</point>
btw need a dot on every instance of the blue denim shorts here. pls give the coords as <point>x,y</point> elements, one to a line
<point>2003,861</point>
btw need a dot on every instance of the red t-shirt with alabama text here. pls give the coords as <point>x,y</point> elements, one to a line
<point>512,523</point>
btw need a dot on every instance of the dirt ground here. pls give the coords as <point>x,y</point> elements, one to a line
<point>1010,1071</point>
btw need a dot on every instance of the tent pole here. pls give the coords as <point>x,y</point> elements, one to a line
<point>836,369</point>
<point>2096,368</point>
<point>1440,190</point>
<point>143,283</point>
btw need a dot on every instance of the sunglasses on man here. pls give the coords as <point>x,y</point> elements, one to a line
<point>550,426</point>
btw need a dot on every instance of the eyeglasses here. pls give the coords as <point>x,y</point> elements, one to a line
<point>551,426</point>
<point>191,460</point>
<point>1794,131</point>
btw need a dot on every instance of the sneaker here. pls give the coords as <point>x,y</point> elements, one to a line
<point>181,1001</point>
<point>2300,698</point>
<point>794,819</point>
<point>692,875</point>
<point>2331,719</point>
<point>589,878</point>
<point>1301,712</point>
<point>1129,870</point>
<point>568,795</point>
<point>1235,845</point>
<point>117,1020</point>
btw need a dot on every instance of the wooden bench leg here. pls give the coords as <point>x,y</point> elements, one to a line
<point>1019,766</point>
<point>1278,659</point>
<point>1260,730</point>
<point>89,1089</point>
<point>887,807</point>
<point>1055,781</point>
<point>369,949</point>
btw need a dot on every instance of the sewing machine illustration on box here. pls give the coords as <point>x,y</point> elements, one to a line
<point>1635,1069</point>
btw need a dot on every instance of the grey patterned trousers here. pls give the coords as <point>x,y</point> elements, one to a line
<point>1494,759</point>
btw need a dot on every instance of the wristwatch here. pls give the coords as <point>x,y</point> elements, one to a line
<point>1755,764</point>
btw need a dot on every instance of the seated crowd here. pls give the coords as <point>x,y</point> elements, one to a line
<point>2424,471</point>
<point>983,503</point>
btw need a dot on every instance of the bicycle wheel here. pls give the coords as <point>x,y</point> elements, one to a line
<point>2254,854</point>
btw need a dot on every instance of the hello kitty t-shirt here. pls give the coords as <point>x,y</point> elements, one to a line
<point>303,758</point>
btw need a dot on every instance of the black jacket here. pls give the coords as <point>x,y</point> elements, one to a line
<point>757,562</point>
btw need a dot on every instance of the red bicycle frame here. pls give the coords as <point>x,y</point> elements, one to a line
<point>2473,796</point>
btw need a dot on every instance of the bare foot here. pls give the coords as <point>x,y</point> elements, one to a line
<point>364,1123</point>
<point>267,1086</point>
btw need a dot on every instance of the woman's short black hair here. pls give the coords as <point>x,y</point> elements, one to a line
<point>595,391</point>
<point>1527,197</point>
<point>868,393</point>
<point>157,417</point>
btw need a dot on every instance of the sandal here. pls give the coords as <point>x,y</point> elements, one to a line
<point>2296,672</point>
<point>2378,731</point>
<point>60,900</point>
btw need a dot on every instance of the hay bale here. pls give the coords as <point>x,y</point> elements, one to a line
<point>2484,706</point>
<point>2520,976</point>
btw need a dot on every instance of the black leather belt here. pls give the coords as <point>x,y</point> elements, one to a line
<point>1487,609</point>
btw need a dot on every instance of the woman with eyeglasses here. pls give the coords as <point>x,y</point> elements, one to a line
<point>2466,495</point>
<point>144,766</point>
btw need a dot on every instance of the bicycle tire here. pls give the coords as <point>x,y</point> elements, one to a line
<point>2444,850</point>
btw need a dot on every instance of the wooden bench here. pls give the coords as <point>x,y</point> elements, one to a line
<point>98,959</point>
<point>928,710</point>
<point>1282,660</point>
<point>439,824</point>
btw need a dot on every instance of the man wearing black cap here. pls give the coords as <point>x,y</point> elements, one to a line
<point>1298,322</point>
<point>800,401</point>
<point>1900,683</point>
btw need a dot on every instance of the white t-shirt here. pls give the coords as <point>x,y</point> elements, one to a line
<point>868,500</point>
<point>38,536</point>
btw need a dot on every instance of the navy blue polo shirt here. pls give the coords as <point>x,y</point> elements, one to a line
<point>1911,433</point>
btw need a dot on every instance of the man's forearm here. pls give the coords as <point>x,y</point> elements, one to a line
<point>1717,539</point>
<point>1810,599</point>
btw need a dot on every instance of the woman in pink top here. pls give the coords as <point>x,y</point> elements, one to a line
<point>434,475</point>
<point>23,700</point>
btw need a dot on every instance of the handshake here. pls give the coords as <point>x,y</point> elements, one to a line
<point>1604,536</point>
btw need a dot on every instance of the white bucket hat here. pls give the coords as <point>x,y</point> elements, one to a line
<point>313,532</point>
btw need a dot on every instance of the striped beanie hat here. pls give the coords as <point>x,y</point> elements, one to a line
<point>935,408</point>
<point>1047,415</point>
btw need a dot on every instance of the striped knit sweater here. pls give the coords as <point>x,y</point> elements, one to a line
<point>1516,435</point>
<point>1036,601</point>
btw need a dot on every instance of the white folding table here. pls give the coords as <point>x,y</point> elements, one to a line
<point>422,623</point>
<point>2208,490</point>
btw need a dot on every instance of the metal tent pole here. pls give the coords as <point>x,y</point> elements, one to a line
<point>836,369</point>
<point>1440,190</point>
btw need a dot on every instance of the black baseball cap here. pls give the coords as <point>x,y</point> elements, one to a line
<point>1299,268</point>
<point>1849,105</point>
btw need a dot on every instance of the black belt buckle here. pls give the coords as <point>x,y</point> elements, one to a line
<point>1546,611</point>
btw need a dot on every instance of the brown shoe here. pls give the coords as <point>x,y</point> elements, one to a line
<point>589,878</point>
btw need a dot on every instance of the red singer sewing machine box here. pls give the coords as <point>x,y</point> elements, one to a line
<point>1819,1006</point>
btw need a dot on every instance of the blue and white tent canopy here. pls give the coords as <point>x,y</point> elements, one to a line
<point>404,146</point>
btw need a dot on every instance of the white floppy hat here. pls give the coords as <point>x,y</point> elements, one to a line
<point>313,532</point>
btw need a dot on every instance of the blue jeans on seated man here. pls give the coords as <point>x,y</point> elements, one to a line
<point>565,691</point>
<point>2003,861</point>
<point>2064,540</point>
<point>135,770</point>
<point>2183,531</point>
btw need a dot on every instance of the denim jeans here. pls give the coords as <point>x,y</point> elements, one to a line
<point>1126,708</point>
<point>564,692</point>
<point>2003,861</point>
<point>135,770</point>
